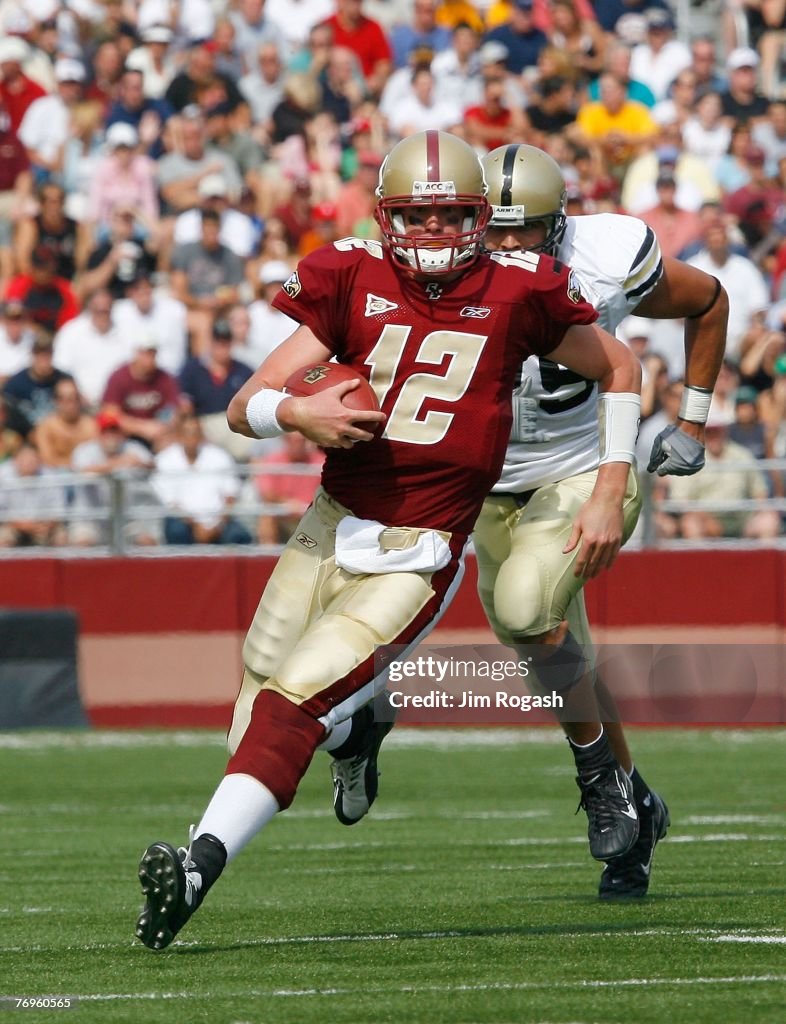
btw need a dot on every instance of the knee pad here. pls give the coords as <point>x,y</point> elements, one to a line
<point>521,597</point>
<point>557,669</point>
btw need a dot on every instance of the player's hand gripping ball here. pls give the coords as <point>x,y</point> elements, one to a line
<point>310,380</point>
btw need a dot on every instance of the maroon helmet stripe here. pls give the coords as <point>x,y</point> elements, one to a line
<point>432,155</point>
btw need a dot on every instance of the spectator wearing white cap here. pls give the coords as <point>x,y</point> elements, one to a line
<point>238,232</point>
<point>153,59</point>
<point>17,90</point>
<point>660,58</point>
<point>742,102</point>
<point>125,177</point>
<point>45,125</point>
<point>153,312</point>
<point>38,63</point>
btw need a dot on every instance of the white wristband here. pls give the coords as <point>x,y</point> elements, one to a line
<point>261,412</point>
<point>618,426</point>
<point>695,403</point>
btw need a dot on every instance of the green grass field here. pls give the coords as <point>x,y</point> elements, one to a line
<point>467,895</point>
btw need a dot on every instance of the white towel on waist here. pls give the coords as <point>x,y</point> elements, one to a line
<point>358,549</point>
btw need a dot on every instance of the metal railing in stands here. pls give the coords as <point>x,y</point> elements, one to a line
<point>114,501</point>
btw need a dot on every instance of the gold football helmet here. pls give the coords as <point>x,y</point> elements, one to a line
<point>432,168</point>
<point>526,185</point>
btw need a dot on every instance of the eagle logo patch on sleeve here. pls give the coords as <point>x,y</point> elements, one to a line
<point>574,288</point>
<point>292,285</point>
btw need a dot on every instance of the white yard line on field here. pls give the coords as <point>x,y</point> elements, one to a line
<point>579,984</point>
<point>699,934</point>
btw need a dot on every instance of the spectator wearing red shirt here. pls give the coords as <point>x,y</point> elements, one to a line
<point>17,91</point>
<point>16,185</point>
<point>367,40</point>
<point>144,397</point>
<point>295,213</point>
<point>757,205</point>
<point>49,299</point>
<point>492,123</point>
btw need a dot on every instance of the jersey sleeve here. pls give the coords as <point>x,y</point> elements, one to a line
<point>316,294</point>
<point>556,303</point>
<point>646,265</point>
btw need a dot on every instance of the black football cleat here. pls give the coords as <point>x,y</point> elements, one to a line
<point>613,822</point>
<point>356,778</point>
<point>628,877</point>
<point>174,887</point>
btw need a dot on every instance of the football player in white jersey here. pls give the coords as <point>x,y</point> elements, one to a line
<point>525,538</point>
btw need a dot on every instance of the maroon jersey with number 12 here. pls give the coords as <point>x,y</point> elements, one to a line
<point>443,360</point>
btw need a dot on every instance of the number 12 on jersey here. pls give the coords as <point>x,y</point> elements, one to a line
<point>405,422</point>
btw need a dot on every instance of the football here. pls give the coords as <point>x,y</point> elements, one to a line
<point>310,380</point>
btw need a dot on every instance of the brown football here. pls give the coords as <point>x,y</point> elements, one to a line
<point>310,380</point>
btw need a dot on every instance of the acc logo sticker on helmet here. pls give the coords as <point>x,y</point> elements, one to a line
<point>574,288</point>
<point>434,188</point>
<point>292,285</point>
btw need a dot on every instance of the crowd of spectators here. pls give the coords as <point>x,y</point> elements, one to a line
<point>165,166</point>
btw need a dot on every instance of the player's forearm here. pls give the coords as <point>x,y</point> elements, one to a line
<point>705,343</point>
<point>621,376</point>
<point>612,482</point>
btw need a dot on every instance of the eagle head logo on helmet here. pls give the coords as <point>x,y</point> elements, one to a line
<point>426,170</point>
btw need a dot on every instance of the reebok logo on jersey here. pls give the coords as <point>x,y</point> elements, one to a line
<point>292,285</point>
<point>375,305</point>
<point>305,540</point>
<point>476,312</point>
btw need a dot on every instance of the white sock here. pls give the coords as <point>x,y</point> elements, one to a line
<point>239,808</point>
<point>339,735</point>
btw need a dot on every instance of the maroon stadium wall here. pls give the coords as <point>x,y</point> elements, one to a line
<point>160,638</point>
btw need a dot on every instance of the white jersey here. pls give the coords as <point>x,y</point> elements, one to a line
<point>555,421</point>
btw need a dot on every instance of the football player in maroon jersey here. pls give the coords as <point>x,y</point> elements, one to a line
<point>439,329</point>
